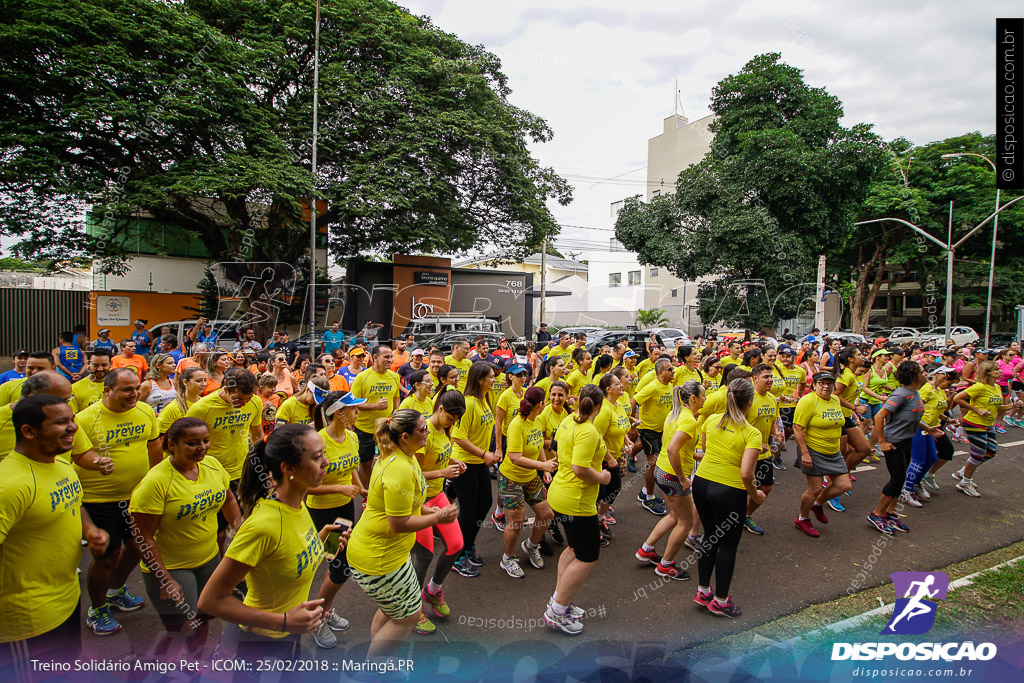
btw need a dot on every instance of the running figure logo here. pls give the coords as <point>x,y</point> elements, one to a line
<point>914,613</point>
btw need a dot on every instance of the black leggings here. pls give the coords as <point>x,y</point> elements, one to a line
<point>473,490</point>
<point>338,569</point>
<point>897,461</point>
<point>608,492</point>
<point>944,446</point>
<point>721,509</point>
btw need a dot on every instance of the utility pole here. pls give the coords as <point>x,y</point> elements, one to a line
<point>312,197</point>
<point>543,280</point>
<point>819,295</point>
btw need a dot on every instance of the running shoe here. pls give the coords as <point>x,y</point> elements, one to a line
<point>835,504</point>
<point>895,523</point>
<point>125,601</point>
<point>533,554</point>
<point>563,622</point>
<point>960,439</point>
<point>958,474</point>
<point>604,542</point>
<point>910,499</point>
<point>605,530</point>
<point>102,622</point>
<point>969,488</point>
<point>671,571</point>
<point>729,609</point>
<point>424,626</point>
<point>474,557</point>
<point>324,637</point>
<point>777,462</point>
<point>1000,429</point>
<point>703,599</point>
<point>921,493</point>
<point>556,534</point>
<point>819,512</point>
<point>631,464</point>
<point>929,481</point>
<point>464,568</point>
<point>512,568</point>
<point>805,526</point>
<point>693,542</point>
<point>544,548</point>
<point>574,611</point>
<point>750,525</point>
<point>652,506</point>
<point>609,519</point>
<point>493,471</point>
<point>880,523</point>
<point>436,602</point>
<point>337,623</point>
<point>498,520</point>
<point>648,556</point>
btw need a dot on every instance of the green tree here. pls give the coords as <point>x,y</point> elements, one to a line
<point>209,296</point>
<point>781,182</point>
<point>199,114</point>
<point>651,317</point>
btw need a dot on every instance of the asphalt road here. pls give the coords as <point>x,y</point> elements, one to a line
<point>635,615</point>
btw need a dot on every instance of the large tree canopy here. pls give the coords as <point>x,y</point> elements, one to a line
<point>200,114</point>
<point>779,187</point>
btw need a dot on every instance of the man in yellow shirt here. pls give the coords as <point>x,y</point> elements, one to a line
<point>121,428</point>
<point>647,364</point>
<point>655,401</point>
<point>234,416</point>
<point>563,349</point>
<point>41,524</point>
<point>379,385</point>
<point>459,359</point>
<point>735,348</point>
<point>38,361</point>
<point>49,382</point>
<point>89,389</point>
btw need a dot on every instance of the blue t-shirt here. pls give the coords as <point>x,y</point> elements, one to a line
<point>176,355</point>
<point>11,374</point>
<point>209,340</point>
<point>142,341</point>
<point>333,340</point>
<point>347,373</point>
<point>100,344</point>
<point>71,358</point>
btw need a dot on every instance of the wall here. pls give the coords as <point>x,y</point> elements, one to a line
<point>155,307</point>
<point>155,274</point>
<point>431,299</point>
<point>34,318</point>
<point>500,295</point>
<point>680,144</point>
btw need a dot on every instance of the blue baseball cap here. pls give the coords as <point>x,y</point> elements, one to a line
<point>629,354</point>
<point>518,368</point>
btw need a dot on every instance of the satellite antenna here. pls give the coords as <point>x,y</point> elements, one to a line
<point>678,111</point>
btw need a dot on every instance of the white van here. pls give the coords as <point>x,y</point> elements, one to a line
<point>430,326</point>
<point>226,330</point>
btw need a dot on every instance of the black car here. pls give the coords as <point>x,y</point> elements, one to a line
<point>635,339</point>
<point>1001,341</point>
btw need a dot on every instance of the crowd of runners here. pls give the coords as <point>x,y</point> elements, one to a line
<point>227,476</point>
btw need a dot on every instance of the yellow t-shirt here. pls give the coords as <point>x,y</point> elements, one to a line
<point>501,383</point>
<point>612,423</point>
<point>410,402</point>
<point>723,450</point>
<point>463,367</point>
<point>580,445</point>
<point>684,422</point>
<point>186,534</point>
<point>284,550</point>
<point>851,389</point>
<point>596,379</point>
<point>342,460</point>
<point>729,360</point>
<point>11,391</point>
<point>476,426</point>
<point>84,393</point>
<point>229,429</point>
<point>373,386</point>
<point>509,402</point>
<point>557,351</point>
<point>171,412</point>
<point>576,381</point>
<point>550,420</point>
<point>983,397</point>
<point>524,436</point>
<point>397,489</point>
<point>123,437</point>
<point>714,402</point>
<point>643,367</point>
<point>682,374</point>
<point>792,378</point>
<point>764,411</point>
<point>655,401</point>
<point>40,530</point>
<point>822,422</point>
<point>935,404</point>
<point>436,456</point>
<point>293,411</point>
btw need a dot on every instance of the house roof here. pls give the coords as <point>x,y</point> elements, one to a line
<point>553,262</point>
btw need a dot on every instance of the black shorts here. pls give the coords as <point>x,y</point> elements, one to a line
<point>849,424</point>
<point>651,441</point>
<point>1005,389</point>
<point>367,446</point>
<point>222,521</point>
<point>1017,386</point>
<point>115,519</point>
<point>583,535</point>
<point>787,416</point>
<point>764,474</point>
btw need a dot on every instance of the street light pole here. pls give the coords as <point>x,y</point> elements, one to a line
<point>312,197</point>
<point>995,232</point>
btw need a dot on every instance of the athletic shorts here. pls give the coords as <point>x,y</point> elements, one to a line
<point>787,416</point>
<point>397,593</point>
<point>983,443</point>
<point>764,473</point>
<point>849,424</point>
<point>583,535</point>
<point>222,521</point>
<point>192,582</point>
<point>1005,388</point>
<point>873,409</point>
<point>367,446</point>
<point>515,495</point>
<point>651,441</point>
<point>824,464</point>
<point>113,518</point>
<point>669,483</point>
<point>1017,386</point>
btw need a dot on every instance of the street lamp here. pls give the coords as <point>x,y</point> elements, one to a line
<point>995,231</point>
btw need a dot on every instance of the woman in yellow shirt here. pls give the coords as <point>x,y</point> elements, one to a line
<point>712,367</point>
<point>573,498</point>
<point>447,376</point>
<point>578,377</point>
<point>472,438</point>
<point>555,369</point>
<point>174,514</point>
<point>672,473</point>
<point>438,468</point>
<point>335,420</point>
<point>505,410</point>
<point>720,489</point>
<point>299,409</point>
<point>379,551</point>
<point>277,550</point>
<point>854,445</point>
<point>936,403</point>
<point>612,423</point>
<point>420,396</point>
<point>189,385</point>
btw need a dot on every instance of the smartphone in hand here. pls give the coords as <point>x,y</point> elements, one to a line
<point>333,542</point>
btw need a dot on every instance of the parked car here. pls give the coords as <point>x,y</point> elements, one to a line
<point>1001,341</point>
<point>434,325</point>
<point>898,335</point>
<point>961,335</point>
<point>635,339</point>
<point>447,340</point>
<point>226,330</point>
<point>591,332</point>
<point>845,336</point>
<point>669,335</point>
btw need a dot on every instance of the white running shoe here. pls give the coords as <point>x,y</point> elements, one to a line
<point>929,482</point>
<point>909,498</point>
<point>969,488</point>
<point>511,566</point>
<point>564,622</point>
<point>921,493</point>
<point>533,554</point>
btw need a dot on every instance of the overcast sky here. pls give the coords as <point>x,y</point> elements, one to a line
<point>602,72</point>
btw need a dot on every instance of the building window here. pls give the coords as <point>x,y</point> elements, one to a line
<point>654,272</point>
<point>617,206</point>
<point>634,277</point>
<point>674,293</point>
<point>656,193</point>
<point>614,279</point>
<point>615,245</point>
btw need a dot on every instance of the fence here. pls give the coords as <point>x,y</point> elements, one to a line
<point>32,319</point>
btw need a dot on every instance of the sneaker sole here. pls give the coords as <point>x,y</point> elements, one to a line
<point>756,533</point>
<point>105,633</point>
<point>646,560</point>
<point>331,646</point>
<point>723,614</point>
<point>970,495</point>
<point>674,578</point>
<point>807,533</point>
<point>520,575</point>
<point>561,628</point>
<point>467,575</point>
<point>119,608</point>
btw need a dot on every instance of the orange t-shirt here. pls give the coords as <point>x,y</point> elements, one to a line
<point>269,414</point>
<point>400,359</point>
<point>339,383</point>
<point>137,364</point>
<point>212,385</point>
<point>184,364</point>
